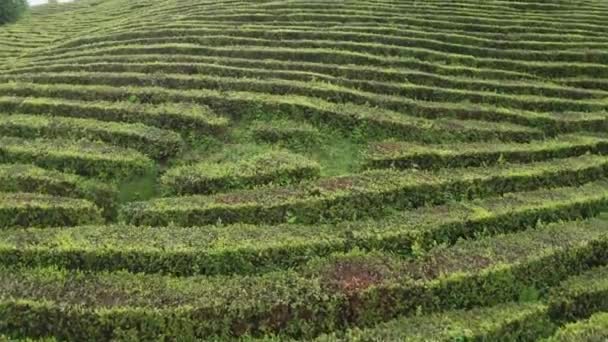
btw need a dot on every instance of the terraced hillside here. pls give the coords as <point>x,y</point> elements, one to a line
<point>362,170</point>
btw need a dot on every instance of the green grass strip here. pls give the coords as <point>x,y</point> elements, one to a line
<point>368,194</point>
<point>404,155</point>
<point>154,142</point>
<point>81,157</point>
<point>246,249</point>
<point>35,210</point>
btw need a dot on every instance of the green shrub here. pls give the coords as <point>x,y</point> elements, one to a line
<point>11,10</point>
<point>248,249</point>
<point>594,329</point>
<point>276,167</point>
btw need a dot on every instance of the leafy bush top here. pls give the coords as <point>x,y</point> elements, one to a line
<point>11,10</point>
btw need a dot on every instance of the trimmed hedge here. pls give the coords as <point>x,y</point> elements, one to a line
<point>404,155</point>
<point>291,134</point>
<point>35,210</point>
<point>369,194</point>
<point>32,179</point>
<point>81,157</point>
<point>249,249</point>
<point>507,322</point>
<point>368,77</point>
<point>339,52</point>
<point>382,43</point>
<point>178,116</point>
<point>154,142</point>
<point>401,98</point>
<point>273,167</point>
<point>347,116</point>
<point>594,329</point>
<point>480,109</point>
<point>580,296</point>
<point>323,296</point>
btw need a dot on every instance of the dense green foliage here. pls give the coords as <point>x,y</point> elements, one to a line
<point>11,10</point>
<point>365,170</point>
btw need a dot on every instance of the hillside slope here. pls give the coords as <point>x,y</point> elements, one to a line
<point>363,170</point>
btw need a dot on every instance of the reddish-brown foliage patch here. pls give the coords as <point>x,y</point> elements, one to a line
<point>350,277</point>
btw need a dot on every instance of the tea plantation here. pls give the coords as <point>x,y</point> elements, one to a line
<point>297,170</point>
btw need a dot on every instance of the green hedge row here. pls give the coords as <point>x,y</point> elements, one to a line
<point>594,329</point>
<point>246,249</point>
<point>351,32</point>
<point>82,157</point>
<point>302,54</point>
<point>374,121</point>
<point>431,73</point>
<point>154,142</point>
<point>449,43</point>
<point>327,295</point>
<point>586,83</point>
<point>180,117</point>
<point>32,179</point>
<point>364,78</point>
<point>272,167</point>
<point>363,195</point>
<point>506,322</point>
<point>489,14</point>
<point>354,41</point>
<point>467,23</point>
<point>288,133</point>
<point>529,39</point>
<point>537,17</point>
<point>404,97</point>
<point>403,155</point>
<point>431,110</point>
<point>35,210</point>
<point>580,296</point>
<point>339,53</point>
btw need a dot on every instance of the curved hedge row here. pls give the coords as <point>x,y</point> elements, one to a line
<point>397,96</point>
<point>292,134</point>
<point>461,125</point>
<point>302,303</point>
<point>403,155</point>
<point>506,322</point>
<point>366,78</point>
<point>581,296</point>
<point>178,116</point>
<point>35,210</point>
<point>369,194</point>
<point>246,249</point>
<point>81,157</point>
<point>33,179</point>
<point>154,142</point>
<point>593,329</point>
<point>273,167</point>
